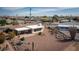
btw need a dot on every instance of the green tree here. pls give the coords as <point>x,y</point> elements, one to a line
<point>44,19</point>
<point>26,17</point>
<point>55,18</point>
<point>3,22</point>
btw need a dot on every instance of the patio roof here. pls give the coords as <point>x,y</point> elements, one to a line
<point>23,28</point>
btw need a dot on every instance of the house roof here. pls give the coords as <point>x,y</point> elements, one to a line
<point>35,26</point>
<point>29,27</point>
<point>21,29</point>
<point>69,24</point>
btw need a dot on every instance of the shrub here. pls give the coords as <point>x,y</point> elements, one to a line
<point>22,39</point>
<point>2,38</point>
<point>3,22</point>
<point>73,31</point>
<point>11,35</point>
<point>39,33</point>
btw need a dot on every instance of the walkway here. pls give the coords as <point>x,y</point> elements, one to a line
<point>9,45</point>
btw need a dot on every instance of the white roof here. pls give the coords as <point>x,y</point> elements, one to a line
<point>65,25</point>
<point>69,24</point>
<point>30,27</point>
<point>21,29</point>
<point>35,26</point>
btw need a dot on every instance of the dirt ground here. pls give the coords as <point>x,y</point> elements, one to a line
<point>47,42</point>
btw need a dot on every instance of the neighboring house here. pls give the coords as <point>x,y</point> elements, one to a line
<point>9,21</point>
<point>64,20</point>
<point>64,27</point>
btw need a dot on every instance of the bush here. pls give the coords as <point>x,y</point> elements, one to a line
<point>73,31</point>
<point>8,30</point>
<point>11,35</point>
<point>39,33</point>
<point>3,22</point>
<point>22,39</point>
<point>2,38</point>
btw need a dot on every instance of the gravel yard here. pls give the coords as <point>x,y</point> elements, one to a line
<point>44,42</point>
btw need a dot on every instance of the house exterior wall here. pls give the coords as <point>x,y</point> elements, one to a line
<point>42,29</point>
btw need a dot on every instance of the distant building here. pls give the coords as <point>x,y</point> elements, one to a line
<point>64,20</point>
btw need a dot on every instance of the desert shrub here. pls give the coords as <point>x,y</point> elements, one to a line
<point>2,38</point>
<point>73,31</point>
<point>11,35</point>
<point>39,33</point>
<point>3,22</point>
<point>22,39</point>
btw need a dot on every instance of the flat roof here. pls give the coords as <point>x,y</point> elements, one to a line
<point>29,27</point>
<point>35,26</point>
<point>23,28</point>
<point>65,25</point>
<point>69,24</point>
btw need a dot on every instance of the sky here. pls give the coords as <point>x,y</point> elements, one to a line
<point>38,11</point>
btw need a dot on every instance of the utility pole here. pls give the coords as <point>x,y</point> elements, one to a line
<point>30,14</point>
<point>16,16</point>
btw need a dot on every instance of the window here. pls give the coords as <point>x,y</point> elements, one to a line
<point>78,30</point>
<point>63,28</point>
<point>38,29</point>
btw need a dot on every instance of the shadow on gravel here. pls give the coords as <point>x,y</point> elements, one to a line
<point>76,40</point>
<point>68,40</point>
<point>65,40</point>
